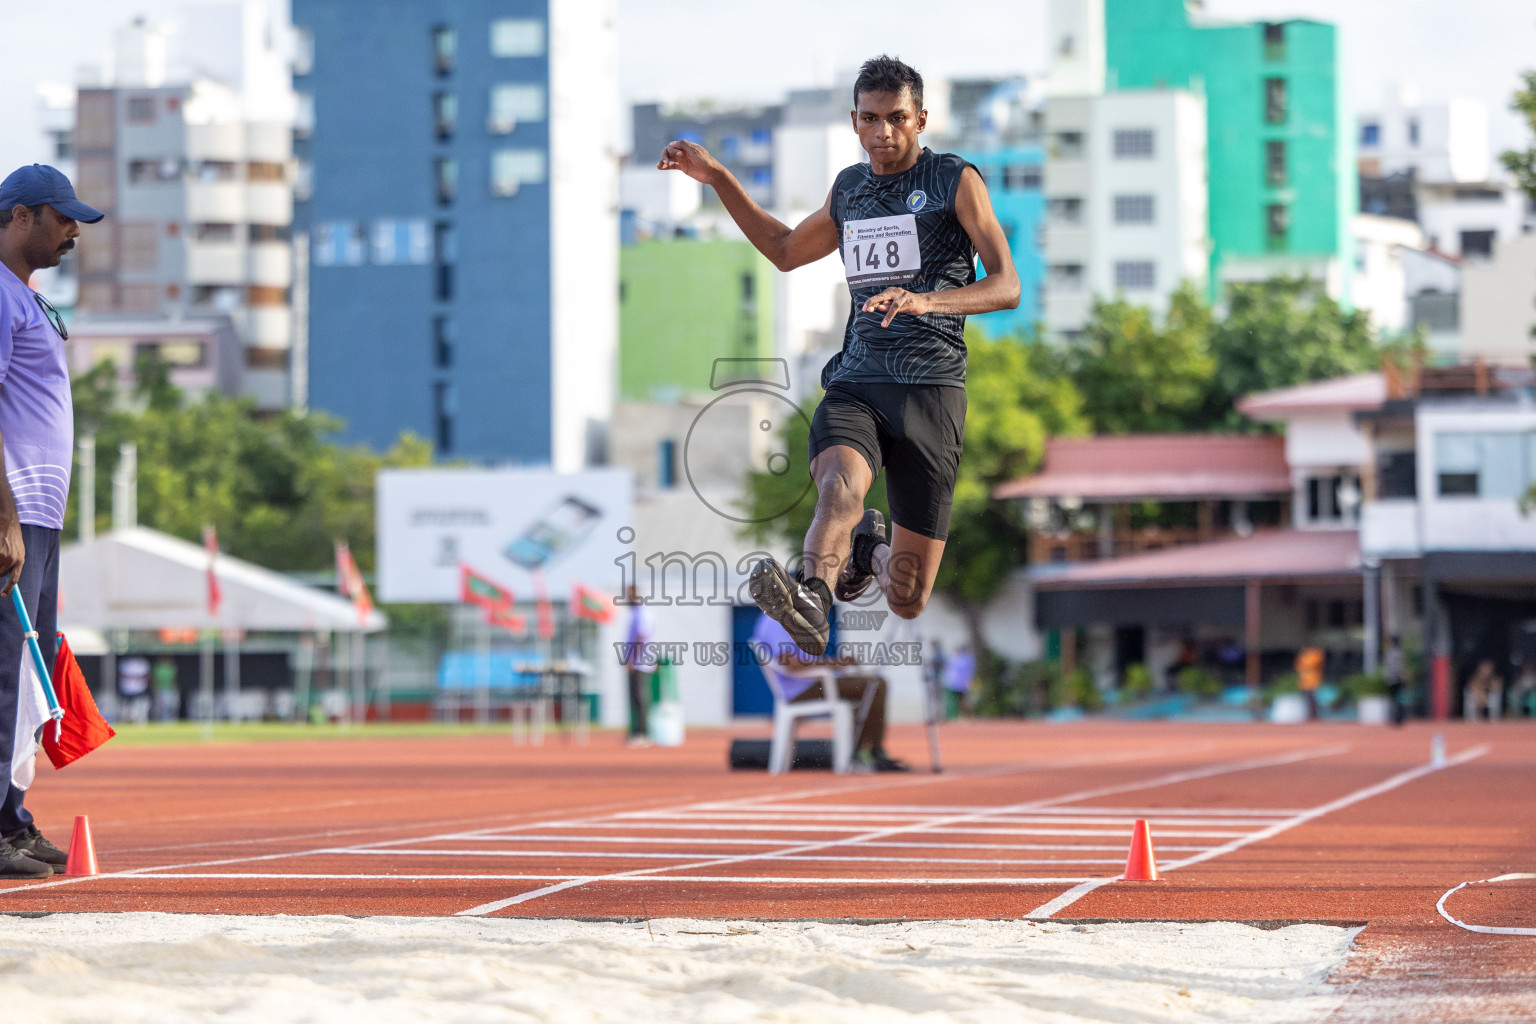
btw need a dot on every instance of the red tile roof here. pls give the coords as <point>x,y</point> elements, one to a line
<point>1267,555</point>
<point>1342,394</point>
<point>1149,467</point>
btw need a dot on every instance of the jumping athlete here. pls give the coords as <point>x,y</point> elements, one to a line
<point>910,224</point>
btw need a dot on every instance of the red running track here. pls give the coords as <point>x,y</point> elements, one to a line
<point>1251,823</point>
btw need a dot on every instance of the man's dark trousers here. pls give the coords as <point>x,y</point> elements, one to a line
<point>40,590</point>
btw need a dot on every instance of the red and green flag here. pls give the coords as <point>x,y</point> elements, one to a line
<point>508,620</point>
<point>482,590</point>
<point>587,603</point>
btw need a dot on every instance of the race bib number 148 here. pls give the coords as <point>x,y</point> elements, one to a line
<point>881,251</point>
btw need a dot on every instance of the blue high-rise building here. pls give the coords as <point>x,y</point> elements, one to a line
<point>1013,173</point>
<point>457,207</point>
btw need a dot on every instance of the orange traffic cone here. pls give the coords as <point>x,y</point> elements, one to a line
<point>82,853</point>
<point>1140,863</point>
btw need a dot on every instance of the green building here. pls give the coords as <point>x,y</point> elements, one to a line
<point>683,303</point>
<point>1282,182</point>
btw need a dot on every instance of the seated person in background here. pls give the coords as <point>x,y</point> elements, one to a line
<point>1484,693</point>
<point>787,662</point>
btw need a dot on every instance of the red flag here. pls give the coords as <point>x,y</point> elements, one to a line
<point>546,610</point>
<point>82,729</point>
<point>508,620</point>
<point>349,580</point>
<point>215,595</point>
<point>481,590</point>
<point>591,604</point>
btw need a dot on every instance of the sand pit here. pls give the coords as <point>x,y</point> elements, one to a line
<point>171,968</point>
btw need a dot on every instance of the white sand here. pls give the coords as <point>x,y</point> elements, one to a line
<point>171,968</point>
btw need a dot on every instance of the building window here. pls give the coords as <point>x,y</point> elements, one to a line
<point>1485,465</point>
<point>1067,277</point>
<point>517,37</point>
<point>401,242</point>
<point>513,168</point>
<point>1274,100</point>
<point>1370,133</point>
<point>445,246</point>
<point>339,243</point>
<point>1274,41</point>
<point>214,171</point>
<point>445,174</point>
<point>1069,146</point>
<point>1332,499</point>
<point>264,170</point>
<point>762,137</point>
<point>1477,244</point>
<point>1277,224</point>
<point>141,110</point>
<point>442,416</point>
<point>445,46</point>
<point>213,232</point>
<point>1274,163</point>
<point>445,113</point>
<point>303,50</point>
<point>303,115</point>
<point>1133,209</point>
<point>666,464</point>
<point>1065,210</point>
<point>1018,177</point>
<point>1413,131</point>
<point>145,172</point>
<point>761,177</point>
<point>511,103</point>
<point>1133,144</point>
<point>730,148</point>
<point>1135,275</point>
<point>442,342</point>
<point>1397,475</point>
<point>258,234</point>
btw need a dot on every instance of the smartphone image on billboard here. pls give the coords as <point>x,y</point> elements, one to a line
<point>557,531</point>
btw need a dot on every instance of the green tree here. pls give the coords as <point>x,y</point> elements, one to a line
<point>1280,333</point>
<point>1522,162</point>
<point>1139,377</point>
<point>277,488</point>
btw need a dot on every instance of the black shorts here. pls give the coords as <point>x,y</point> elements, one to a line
<point>913,430</point>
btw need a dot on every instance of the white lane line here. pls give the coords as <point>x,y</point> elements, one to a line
<point>651,841</point>
<point>1485,929</point>
<point>1152,783</point>
<point>770,820</point>
<point>940,826</point>
<point>734,879</point>
<point>630,855</point>
<point>1071,896</point>
<point>924,810</point>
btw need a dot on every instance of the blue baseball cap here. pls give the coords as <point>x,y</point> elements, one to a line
<point>37,184</point>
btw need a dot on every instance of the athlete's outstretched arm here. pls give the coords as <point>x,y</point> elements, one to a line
<point>998,290</point>
<point>785,247</point>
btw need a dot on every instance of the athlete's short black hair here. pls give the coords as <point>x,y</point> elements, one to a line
<point>888,74</point>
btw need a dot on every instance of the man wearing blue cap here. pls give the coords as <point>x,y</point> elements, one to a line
<point>40,219</point>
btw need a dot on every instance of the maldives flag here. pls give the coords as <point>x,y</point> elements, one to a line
<point>480,590</point>
<point>215,595</point>
<point>349,581</point>
<point>508,620</point>
<point>587,603</point>
<point>546,610</point>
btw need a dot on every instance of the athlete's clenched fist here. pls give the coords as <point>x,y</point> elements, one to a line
<point>690,158</point>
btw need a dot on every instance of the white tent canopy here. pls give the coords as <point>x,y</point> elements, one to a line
<point>143,579</point>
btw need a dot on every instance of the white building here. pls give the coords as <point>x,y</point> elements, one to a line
<point>1467,219</point>
<point>1380,280</point>
<point>1125,185</point>
<point>1439,142</point>
<point>196,178</point>
<point>1498,303</point>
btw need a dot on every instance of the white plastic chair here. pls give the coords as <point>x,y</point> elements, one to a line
<point>786,716</point>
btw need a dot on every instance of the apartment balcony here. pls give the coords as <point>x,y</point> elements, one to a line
<point>267,327</point>
<point>216,263</point>
<point>223,142</point>
<point>1389,528</point>
<point>217,202</point>
<point>268,203</point>
<point>269,140</point>
<point>1477,524</point>
<point>270,264</point>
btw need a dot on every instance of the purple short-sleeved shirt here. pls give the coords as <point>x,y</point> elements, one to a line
<point>777,640</point>
<point>37,418</point>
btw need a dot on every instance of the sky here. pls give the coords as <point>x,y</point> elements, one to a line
<point>692,49</point>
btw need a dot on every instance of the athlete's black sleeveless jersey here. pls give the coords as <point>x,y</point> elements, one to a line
<point>878,218</point>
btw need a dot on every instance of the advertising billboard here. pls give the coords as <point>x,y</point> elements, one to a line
<point>507,525</point>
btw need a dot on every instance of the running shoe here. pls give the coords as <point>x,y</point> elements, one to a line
<point>31,842</point>
<point>800,607</point>
<point>884,762</point>
<point>859,571</point>
<point>15,864</point>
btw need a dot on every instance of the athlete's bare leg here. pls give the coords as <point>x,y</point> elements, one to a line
<point>842,479</point>
<point>906,570</point>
